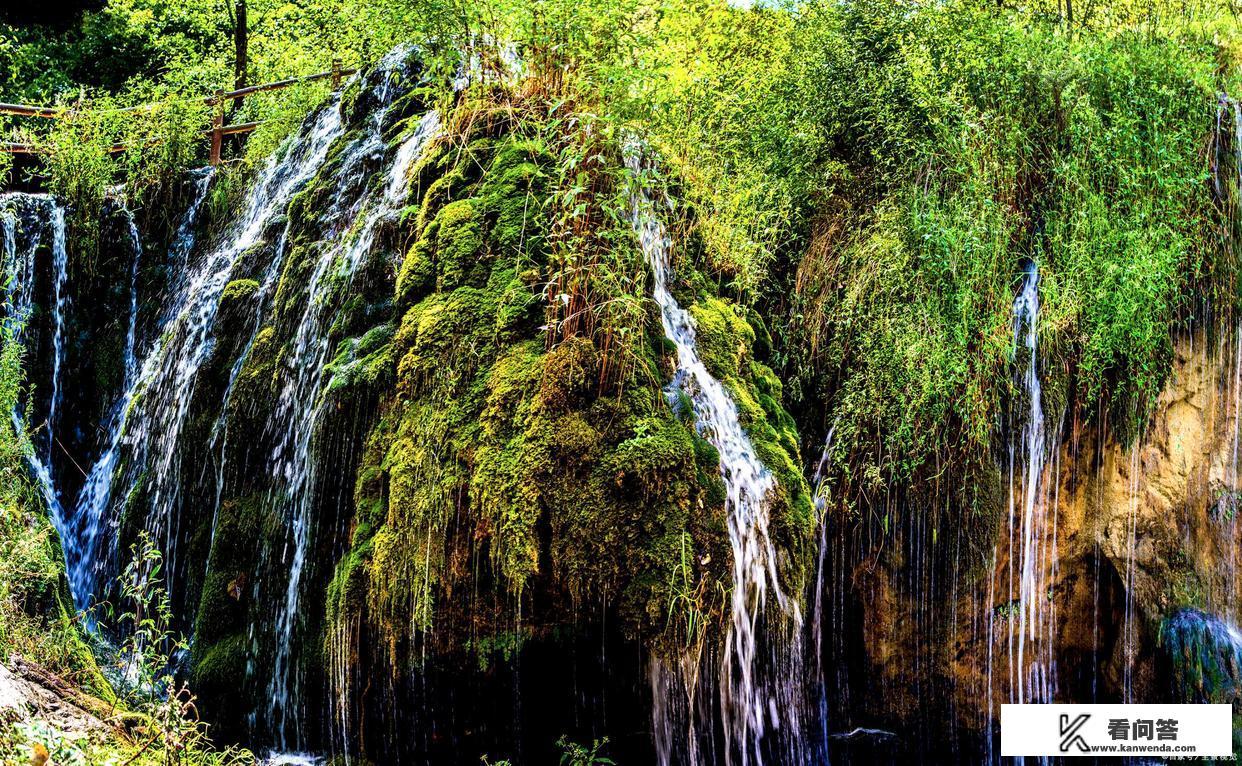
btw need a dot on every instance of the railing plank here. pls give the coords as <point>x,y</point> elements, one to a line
<point>241,127</point>
<point>214,134</point>
<point>252,89</point>
<point>53,112</point>
<point>13,147</point>
<point>23,110</point>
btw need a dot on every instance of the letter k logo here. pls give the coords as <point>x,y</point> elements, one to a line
<point>1070,735</point>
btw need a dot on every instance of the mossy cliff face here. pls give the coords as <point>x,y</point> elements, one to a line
<point>1144,535</point>
<point>510,480</point>
<point>494,482</point>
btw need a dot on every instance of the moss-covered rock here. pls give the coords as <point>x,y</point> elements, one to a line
<point>521,455</point>
<point>722,337</point>
<point>494,436</point>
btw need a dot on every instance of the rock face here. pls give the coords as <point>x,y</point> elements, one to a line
<point>1132,536</point>
<point>24,700</point>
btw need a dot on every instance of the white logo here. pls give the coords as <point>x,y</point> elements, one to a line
<point>1199,731</point>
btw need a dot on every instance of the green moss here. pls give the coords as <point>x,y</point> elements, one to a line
<point>238,290</point>
<point>417,275</point>
<point>291,288</point>
<point>446,188</point>
<point>255,379</point>
<point>235,309</point>
<point>217,672</point>
<point>513,194</point>
<point>569,375</point>
<point>519,310</point>
<point>506,494</point>
<point>347,590</point>
<point>659,453</point>
<point>367,363</point>
<point>221,602</point>
<point>721,337</point>
<point>508,461</point>
<point>509,384</point>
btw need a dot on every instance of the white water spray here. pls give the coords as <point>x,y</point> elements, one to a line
<point>750,709</point>
<point>298,406</point>
<point>1033,677</point>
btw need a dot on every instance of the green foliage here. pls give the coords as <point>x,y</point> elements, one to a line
<point>162,141</point>
<point>98,145</point>
<point>573,754</point>
<point>958,143</point>
<point>686,597</point>
<point>147,661</point>
<point>872,177</point>
<point>278,113</point>
<point>188,45</point>
<point>80,169</point>
<point>730,108</point>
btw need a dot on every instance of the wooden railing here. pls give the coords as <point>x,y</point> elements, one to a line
<point>219,100</point>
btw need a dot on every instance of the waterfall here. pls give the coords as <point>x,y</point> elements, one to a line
<point>1227,507</point>
<point>131,332</point>
<point>91,517</point>
<point>153,408</point>
<point>18,272</point>
<point>150,422</point>
<point>1028,614</point>
<point>23,215</point>
<point>750,710</point>
<point>1032,531</point>
<point>60,268</point>
<point>1206,654</point>
<point>818,482</point>
<point>301,398</point>
<point>1130,627</point>
<point>47,217</point>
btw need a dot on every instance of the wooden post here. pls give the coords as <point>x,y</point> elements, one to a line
<point>336,73</point>
<point>217,123</point>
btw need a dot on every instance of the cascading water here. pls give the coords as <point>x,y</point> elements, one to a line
<point>18,270</point>
<point>1032,535</point>
<point>304,260</point>
<point>1130,624</point>
<point>60,267</point>
<point>1230,502</point>
<point>818,482</point>
<point>153,409</point>
<point>298,406</point>
<point>750,709</point>
<point>1206,654</point>
<point>142,448</point>
<point>90,522</point>
<point>1027,618</point>
<point>131,332</point>
<point>46,218</point>
<point>293,421</point>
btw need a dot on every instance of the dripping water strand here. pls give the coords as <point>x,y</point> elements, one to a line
<point>47,216</point>
<point>299,403</point>
<point>751,707</point>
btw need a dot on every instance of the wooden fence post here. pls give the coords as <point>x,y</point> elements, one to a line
<point>336,73</point>
<point>217,123</point>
